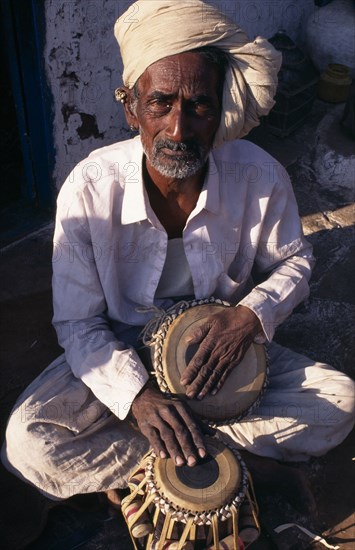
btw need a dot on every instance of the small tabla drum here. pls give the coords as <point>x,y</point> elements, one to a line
<point>171,353</point>
<point>209,506</point>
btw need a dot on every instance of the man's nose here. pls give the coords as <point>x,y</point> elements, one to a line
<point>179,128</point>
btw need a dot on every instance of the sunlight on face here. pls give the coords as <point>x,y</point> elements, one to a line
<point>178,111</point>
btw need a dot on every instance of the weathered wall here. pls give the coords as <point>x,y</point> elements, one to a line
<point>83,65</point>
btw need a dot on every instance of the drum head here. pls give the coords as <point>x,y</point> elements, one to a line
<point>211,484</point>
<point>243,386</point>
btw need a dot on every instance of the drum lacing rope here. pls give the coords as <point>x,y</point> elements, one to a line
<point>151,334</point>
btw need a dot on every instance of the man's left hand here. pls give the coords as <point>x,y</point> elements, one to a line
<point>223,341</point>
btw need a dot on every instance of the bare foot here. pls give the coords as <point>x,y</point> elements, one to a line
<point>273,477</point>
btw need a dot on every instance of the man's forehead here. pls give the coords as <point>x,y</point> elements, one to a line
<point>189,69</point>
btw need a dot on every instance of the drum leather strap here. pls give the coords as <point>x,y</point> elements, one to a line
<point>215,531</point>
<point>185,533</point>
<point>235,514</point>
<point>193,532</point>
<point>170,530</point>
<point>164,532</point>
<point>155,521</point>
<point>252,499</point>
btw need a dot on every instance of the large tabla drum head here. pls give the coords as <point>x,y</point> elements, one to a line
<point>242,388</point>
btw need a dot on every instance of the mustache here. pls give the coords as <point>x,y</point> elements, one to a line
<point>189,146</point>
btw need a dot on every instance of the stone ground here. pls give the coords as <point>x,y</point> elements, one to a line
<point>321,162</point>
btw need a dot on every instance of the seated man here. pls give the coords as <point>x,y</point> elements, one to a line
<point>186,209</point>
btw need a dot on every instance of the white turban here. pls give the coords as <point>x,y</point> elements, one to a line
<point>153,29</point>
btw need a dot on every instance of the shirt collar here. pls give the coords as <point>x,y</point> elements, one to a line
<point>135,203</point>
<point>209,198</point>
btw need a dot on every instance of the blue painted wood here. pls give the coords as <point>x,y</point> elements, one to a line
<point>26,35</point>
<point>45,180</point>
<point>9,38</point>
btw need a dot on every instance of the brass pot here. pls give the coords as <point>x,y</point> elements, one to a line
<point>334,84</point>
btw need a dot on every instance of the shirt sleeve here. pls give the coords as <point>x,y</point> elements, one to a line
<point>110,368</point>
<point>284,257</point>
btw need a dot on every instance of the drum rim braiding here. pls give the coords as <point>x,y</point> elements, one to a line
<point>155,335</point>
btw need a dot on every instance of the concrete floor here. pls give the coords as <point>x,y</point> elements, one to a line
<point>321,162</point>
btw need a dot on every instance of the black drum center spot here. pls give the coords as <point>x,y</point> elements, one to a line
<point>201,476</point>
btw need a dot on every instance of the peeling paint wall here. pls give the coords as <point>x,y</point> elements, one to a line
<point>83,69</point>
<point>84,66</point>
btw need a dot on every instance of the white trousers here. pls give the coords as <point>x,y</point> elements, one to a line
<point>62,440</point>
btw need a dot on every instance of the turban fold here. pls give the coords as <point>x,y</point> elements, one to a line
<point>155,29</point>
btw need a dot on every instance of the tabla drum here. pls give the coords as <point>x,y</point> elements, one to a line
<point>211,505</point>
<point>171,353</point>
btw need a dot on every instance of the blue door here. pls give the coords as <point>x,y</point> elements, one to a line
<point>27,153</point>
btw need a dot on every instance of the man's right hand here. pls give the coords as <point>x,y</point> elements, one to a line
<point>168,425</point>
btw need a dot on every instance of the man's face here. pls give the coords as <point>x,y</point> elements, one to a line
<point>178,112</point>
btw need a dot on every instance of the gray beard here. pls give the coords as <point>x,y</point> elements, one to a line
<point>181,167</point>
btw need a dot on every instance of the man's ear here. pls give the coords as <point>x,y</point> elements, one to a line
<point>125,96</point>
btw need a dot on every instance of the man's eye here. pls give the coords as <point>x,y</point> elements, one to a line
<point>201,107</point>
<point>160,105</point>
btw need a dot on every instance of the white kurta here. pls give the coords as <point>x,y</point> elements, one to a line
<point>110,250</point>
<point>69,432</point>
